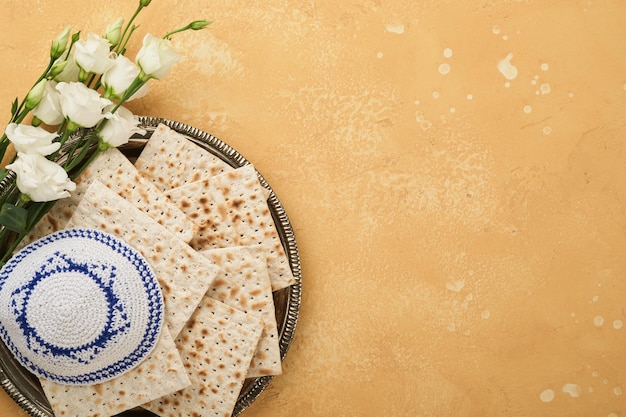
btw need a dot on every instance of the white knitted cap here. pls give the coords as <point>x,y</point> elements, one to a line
<point>79,307</point>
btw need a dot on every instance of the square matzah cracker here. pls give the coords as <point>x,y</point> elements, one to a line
<point>216,347</point>
<point>159,374</point>
<point>231,210</point>
<point>114,170</point>
<point>242,282</point>
<point>170,160</point>
<point>184,274</point>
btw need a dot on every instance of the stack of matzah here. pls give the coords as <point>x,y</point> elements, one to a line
<point>206,230</point>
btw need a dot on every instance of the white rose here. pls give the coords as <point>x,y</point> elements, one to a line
<point>156,57</point>
<point>119,77</point>
<point>49,108</point>
<point>119,127</point>
<point>30,139</point>
<point>92,54</point>
<point>80,104</point>
<point>40,178</point>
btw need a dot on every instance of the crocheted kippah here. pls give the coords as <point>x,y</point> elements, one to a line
<point>79,307</point>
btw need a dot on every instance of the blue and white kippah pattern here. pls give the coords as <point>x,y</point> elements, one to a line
<point>79,307</point>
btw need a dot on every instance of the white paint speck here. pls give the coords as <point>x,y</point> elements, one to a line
<point>546,395</point>
<point>508,70</point>
<point>417,102</point>
<point>397,28</point>
<point>455,285</point>
<point>594,299</point>
<point>547,130</point>
<point>470,97</point>
<point>595,374</point>
<point>618,391</point>
<point>598,321</point>
<point>444,68</point>
<point>533,82</point>
<point>618,324</point>
<point>571,94</point>
<point>447,53</point>
<point>485,314</point>
<point>545,67</point>
<point>379,55</point>
<point>507,84</point>
<point>435,95</point>
<point>495,30</point>
<point>573,390</point>
<point>545,88</point>
<point>527,109</point>
<point>505,37</point>
<point>422,121</point>
<point>452,110</point>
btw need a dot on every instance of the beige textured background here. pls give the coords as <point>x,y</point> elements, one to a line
<point>463,236</point>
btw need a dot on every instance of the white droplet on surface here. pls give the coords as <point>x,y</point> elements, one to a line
<point>485,314</point>
<point>573,390</point>
<point>527,109</point>
<point>505,37</point>
<point>455,285</point>
<point>435,95</point>
<point>595,374</point>
<point>533,82</point>
<point>495,30</point>
<point>618,391</point>
<point>618,324</point>
<point>571,94</point>
<point>379,55</point>
<point>507,84</point>
<point>417,102</point>
<point>508,70</point>
<point>547,130</point>
<point>447,53</point>
<point>545,88</point>
<point>470,97</point>
<point>546,396</point>
<point>545,67</point>
<point>598,321</point>
<point>444,68</point>
<point>397,28</point>
<point>594,299</point>
<point>452,110</point>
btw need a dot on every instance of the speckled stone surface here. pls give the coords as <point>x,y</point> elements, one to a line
<point>455,172</point>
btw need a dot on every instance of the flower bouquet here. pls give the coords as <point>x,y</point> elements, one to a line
<point>74,111</point>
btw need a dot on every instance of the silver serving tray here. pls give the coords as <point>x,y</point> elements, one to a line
<point>24,388</point>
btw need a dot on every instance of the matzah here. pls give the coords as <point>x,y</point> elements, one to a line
<point>216,347</point>
<point>170,160</point>
<point>161,373</point>
<point>242,282</point>
<point>183,273</point>
<point>231,210</point>
<point>114,170</point>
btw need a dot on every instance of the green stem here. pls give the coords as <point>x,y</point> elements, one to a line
<point>123,42</point>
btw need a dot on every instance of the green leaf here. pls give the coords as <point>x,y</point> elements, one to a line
<point>14,107</point>
<point>14,218</point>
